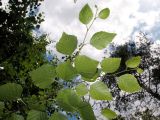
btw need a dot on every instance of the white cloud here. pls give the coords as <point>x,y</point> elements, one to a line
<point>127,18</point>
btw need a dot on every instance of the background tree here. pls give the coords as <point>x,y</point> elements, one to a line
<point>21,52</point>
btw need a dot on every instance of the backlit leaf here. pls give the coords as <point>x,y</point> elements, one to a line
<point>110,65</point>
<point>67,44</point>
<point>58,116</point>
<point>86,14</point>
<point>93,78</point>
<point>101,39</point>
<point>1,108</point>
<point>81,89</point>
<point>109,113</point>
<point>139,70</point>
<point>10,91</point>
<point>86,66</point>
<point>104,13</point>
<point>36,115</point>
<point>66,71</point>
<point>86,111</point>
<point>133,62</point>
<point>15,117</point>
<point>68,100</point>
<point>71,102</point>
<point>43,77</point>
<point>128,83</point>
<point>99,91</point>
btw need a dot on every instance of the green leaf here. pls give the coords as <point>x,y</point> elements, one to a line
<point>86,71</point>
<point>128,83</point>
<point>63,100</point>
<point>133,62</point>
<point>99,91</point>
<point>43,77</point>
<point>81,89</point>
<point>67,44</point>
<point>1,108</point>
<point>66,71</point>
<point>109,113</point>
<point>36,115</point>
<point>68,100</point>
<point>38,106</point>
<point>93,78</point>
<point>86,111</point>
<point>15,117</point>
<point>36,102</point>
<point>10,91</point>
<point>86,14</point>
<point>71,102</point>
<point>58,116</point>
<point>101,39</point>
<point>104,13</point>
<point>140,71</point>
<point>110,65</point>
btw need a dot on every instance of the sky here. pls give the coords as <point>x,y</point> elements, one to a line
<point>127,19</point>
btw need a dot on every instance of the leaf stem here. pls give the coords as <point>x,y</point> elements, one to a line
<point>87,30</point>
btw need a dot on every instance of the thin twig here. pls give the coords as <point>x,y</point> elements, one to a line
<point>87,30</point>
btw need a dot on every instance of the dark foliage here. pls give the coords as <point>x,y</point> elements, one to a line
<point>22,52</point>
